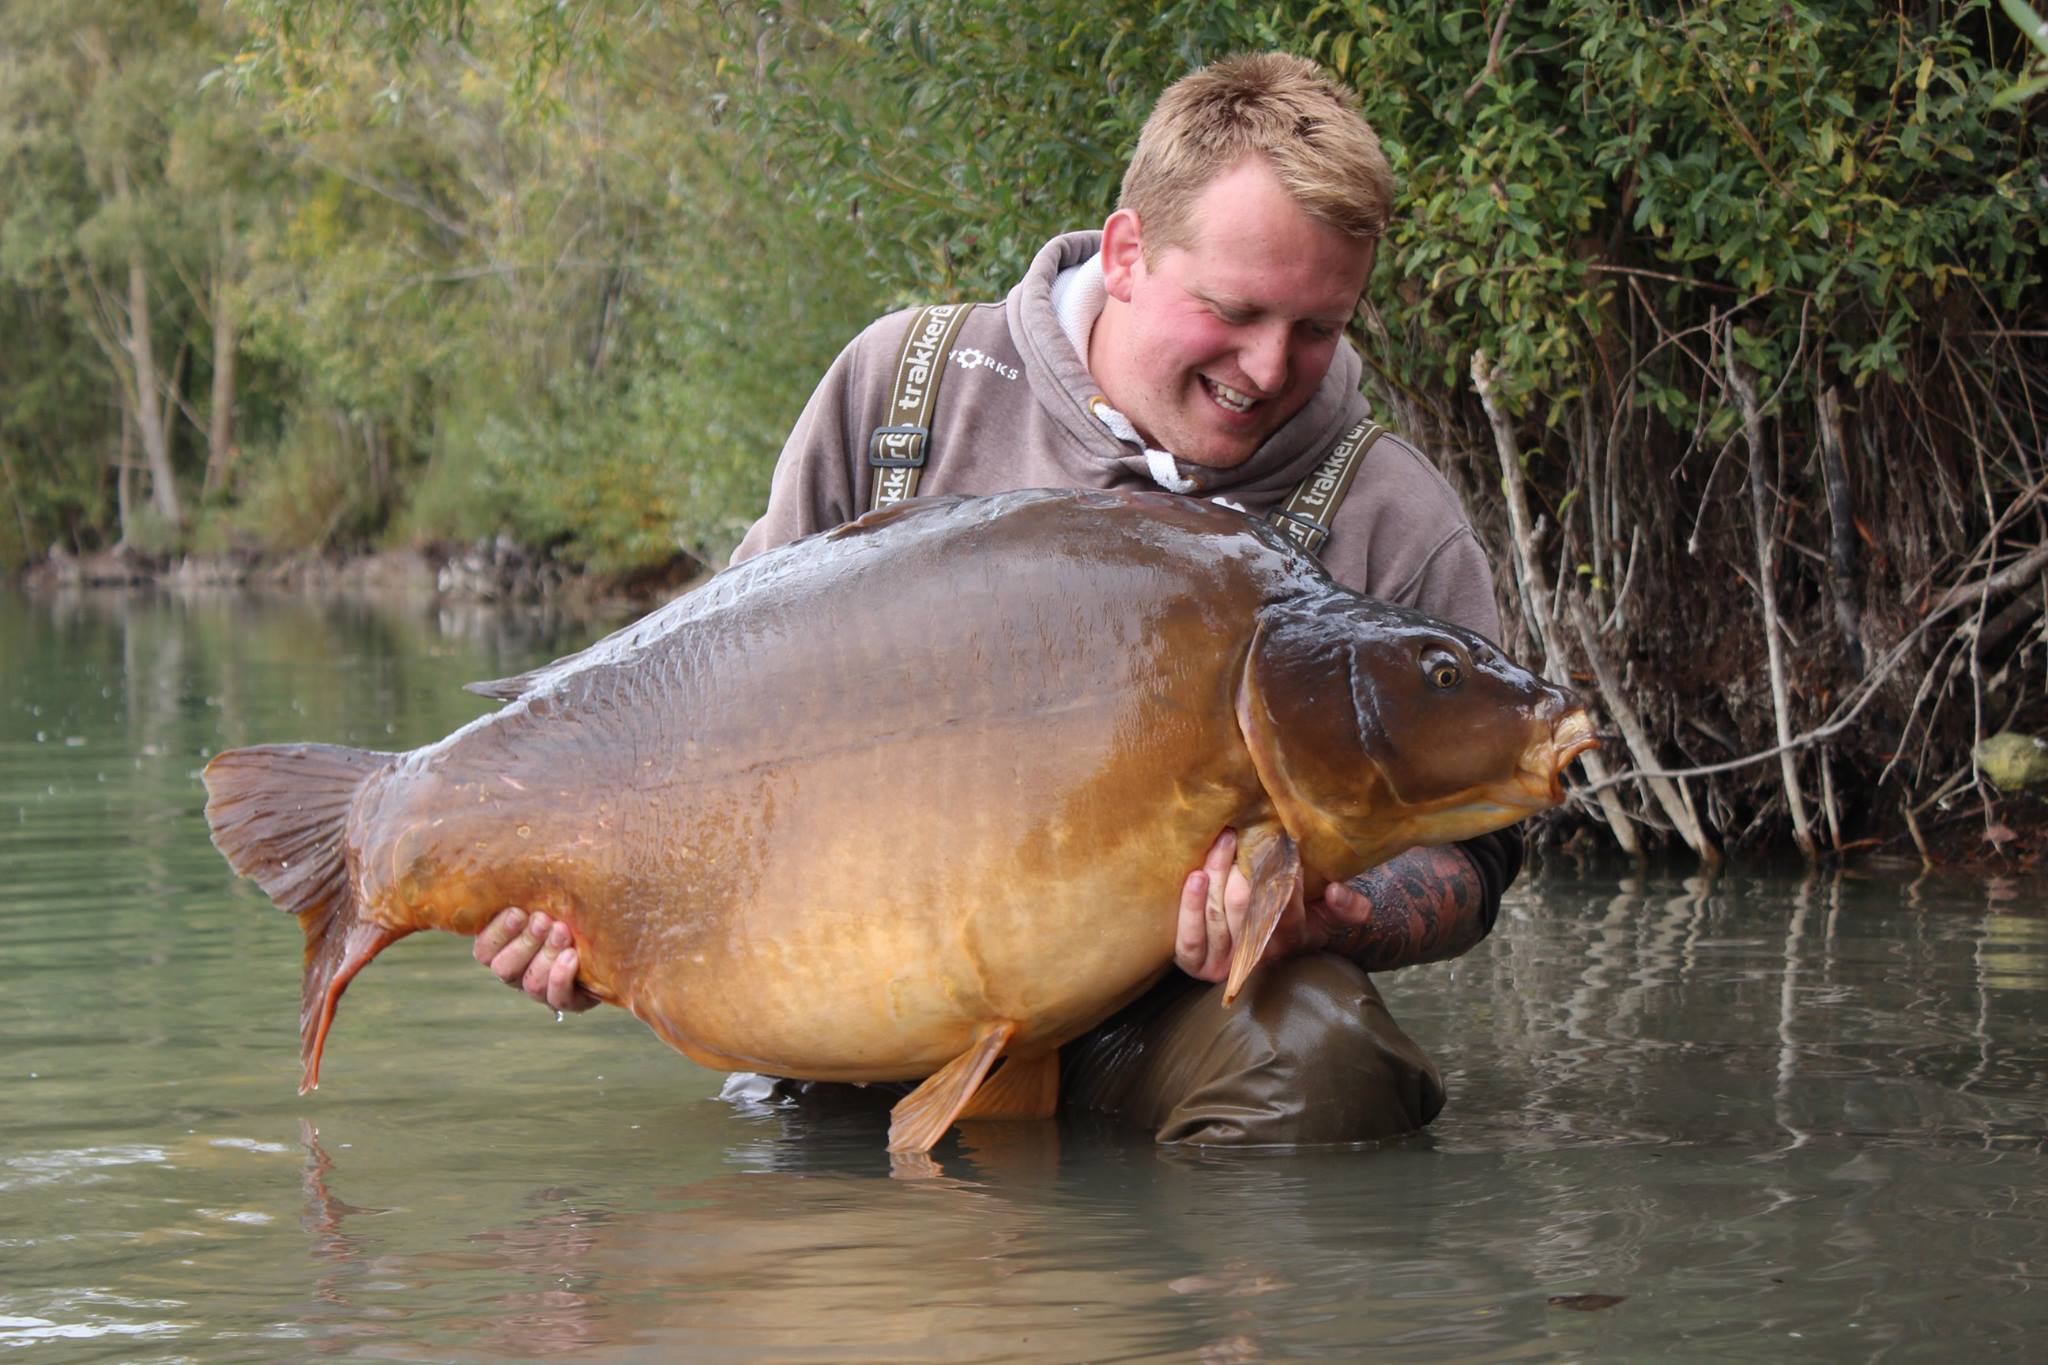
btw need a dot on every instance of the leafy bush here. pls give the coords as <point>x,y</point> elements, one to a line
<point>1635,212</point>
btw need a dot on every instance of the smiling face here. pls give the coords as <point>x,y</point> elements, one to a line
<point>1209,347</point>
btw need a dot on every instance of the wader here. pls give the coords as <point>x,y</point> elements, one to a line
<point>1308,1053</point>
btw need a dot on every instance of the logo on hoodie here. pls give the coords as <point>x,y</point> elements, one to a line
<point>974,358</point>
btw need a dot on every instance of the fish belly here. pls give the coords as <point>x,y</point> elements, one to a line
<point>859,916</point>
<point>900,992</point>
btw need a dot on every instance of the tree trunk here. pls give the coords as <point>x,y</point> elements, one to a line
<point>155,431</point>
<point>28,548</point>
<point>220,415</point>
<point>1845,582</point>
<point>378,453</point>
<point>1536,589</point>
<point>124,459</point>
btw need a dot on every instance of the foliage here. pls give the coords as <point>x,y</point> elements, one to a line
<point>566,272</point>
<point>483,274</point>
<point>2035,29</point>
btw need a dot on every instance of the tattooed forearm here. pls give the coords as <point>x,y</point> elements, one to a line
<point>1425,907</point>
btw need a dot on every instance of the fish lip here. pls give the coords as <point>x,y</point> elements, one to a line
<point>1540,782</point>
<point>1571,736</point>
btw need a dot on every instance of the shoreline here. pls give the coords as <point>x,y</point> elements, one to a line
<point>484,572</point>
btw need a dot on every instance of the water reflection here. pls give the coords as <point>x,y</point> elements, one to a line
<point>1772,1117</point>
<point>813,1252</point>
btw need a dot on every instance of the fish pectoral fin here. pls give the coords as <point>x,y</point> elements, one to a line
<point>1272,864</point>
<point>922,1117</point>
<point>1021,1089</point>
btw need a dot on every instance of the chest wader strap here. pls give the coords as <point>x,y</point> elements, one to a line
<point>1306,515</point>
<point>897,451</point>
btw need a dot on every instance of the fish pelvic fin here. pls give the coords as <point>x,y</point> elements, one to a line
<point>1022,1088</point>
<point>922,1117</point>
<point>279,814</point>
<point>1272,864</point>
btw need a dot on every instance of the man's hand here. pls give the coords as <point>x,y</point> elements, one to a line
<point>1213,902</point>
<point>533,953</point>
<point>1420,906</point>
<point>1212,905</point>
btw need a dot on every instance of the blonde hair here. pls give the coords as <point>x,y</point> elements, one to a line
<point>1272,104</point>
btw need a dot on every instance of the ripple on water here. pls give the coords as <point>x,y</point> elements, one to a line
<point>78,1165</point>
<point>23,1329</point>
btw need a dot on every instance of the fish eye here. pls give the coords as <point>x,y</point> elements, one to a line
<point>1440,666</point>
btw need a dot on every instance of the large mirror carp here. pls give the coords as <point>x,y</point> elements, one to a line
<point>909,796</point>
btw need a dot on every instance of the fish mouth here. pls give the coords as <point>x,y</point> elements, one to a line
<point>1535,786</point>
<point>1571,736</point>
<point>1541,777</point>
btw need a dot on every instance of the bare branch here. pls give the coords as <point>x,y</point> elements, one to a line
<point>1536,590</point>
<point>1492,67</point>
<point>2012,576</point>
<point>1845,714</point>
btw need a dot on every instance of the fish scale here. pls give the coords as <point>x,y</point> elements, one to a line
<point>911,797</point>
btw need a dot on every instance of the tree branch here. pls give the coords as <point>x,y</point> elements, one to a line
<point>1492,67</point>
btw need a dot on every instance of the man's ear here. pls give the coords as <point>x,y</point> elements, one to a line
<point>1123,254</point>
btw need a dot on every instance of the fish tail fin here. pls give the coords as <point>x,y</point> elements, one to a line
<point>279,813</point>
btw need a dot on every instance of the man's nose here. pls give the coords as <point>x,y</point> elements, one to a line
<point>1263,357</point>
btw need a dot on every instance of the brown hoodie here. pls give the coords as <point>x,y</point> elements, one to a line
<point>1013,412</point>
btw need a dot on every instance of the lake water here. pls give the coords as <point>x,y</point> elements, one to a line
<point>1776,1119</point>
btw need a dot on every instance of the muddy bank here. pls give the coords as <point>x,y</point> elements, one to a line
<point>481,572</point>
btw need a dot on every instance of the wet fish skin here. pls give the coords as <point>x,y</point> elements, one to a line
<point>918,791</point>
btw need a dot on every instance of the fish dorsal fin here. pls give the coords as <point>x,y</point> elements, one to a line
<point>502,689</point>
<point>619,647</point>
<point>514,687</point>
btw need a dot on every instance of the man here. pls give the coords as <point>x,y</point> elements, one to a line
<point>1195,344</point>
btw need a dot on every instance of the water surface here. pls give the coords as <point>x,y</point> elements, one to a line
<point>1775,1119</point>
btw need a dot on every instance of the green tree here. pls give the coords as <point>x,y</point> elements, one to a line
<point>88,96</point>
